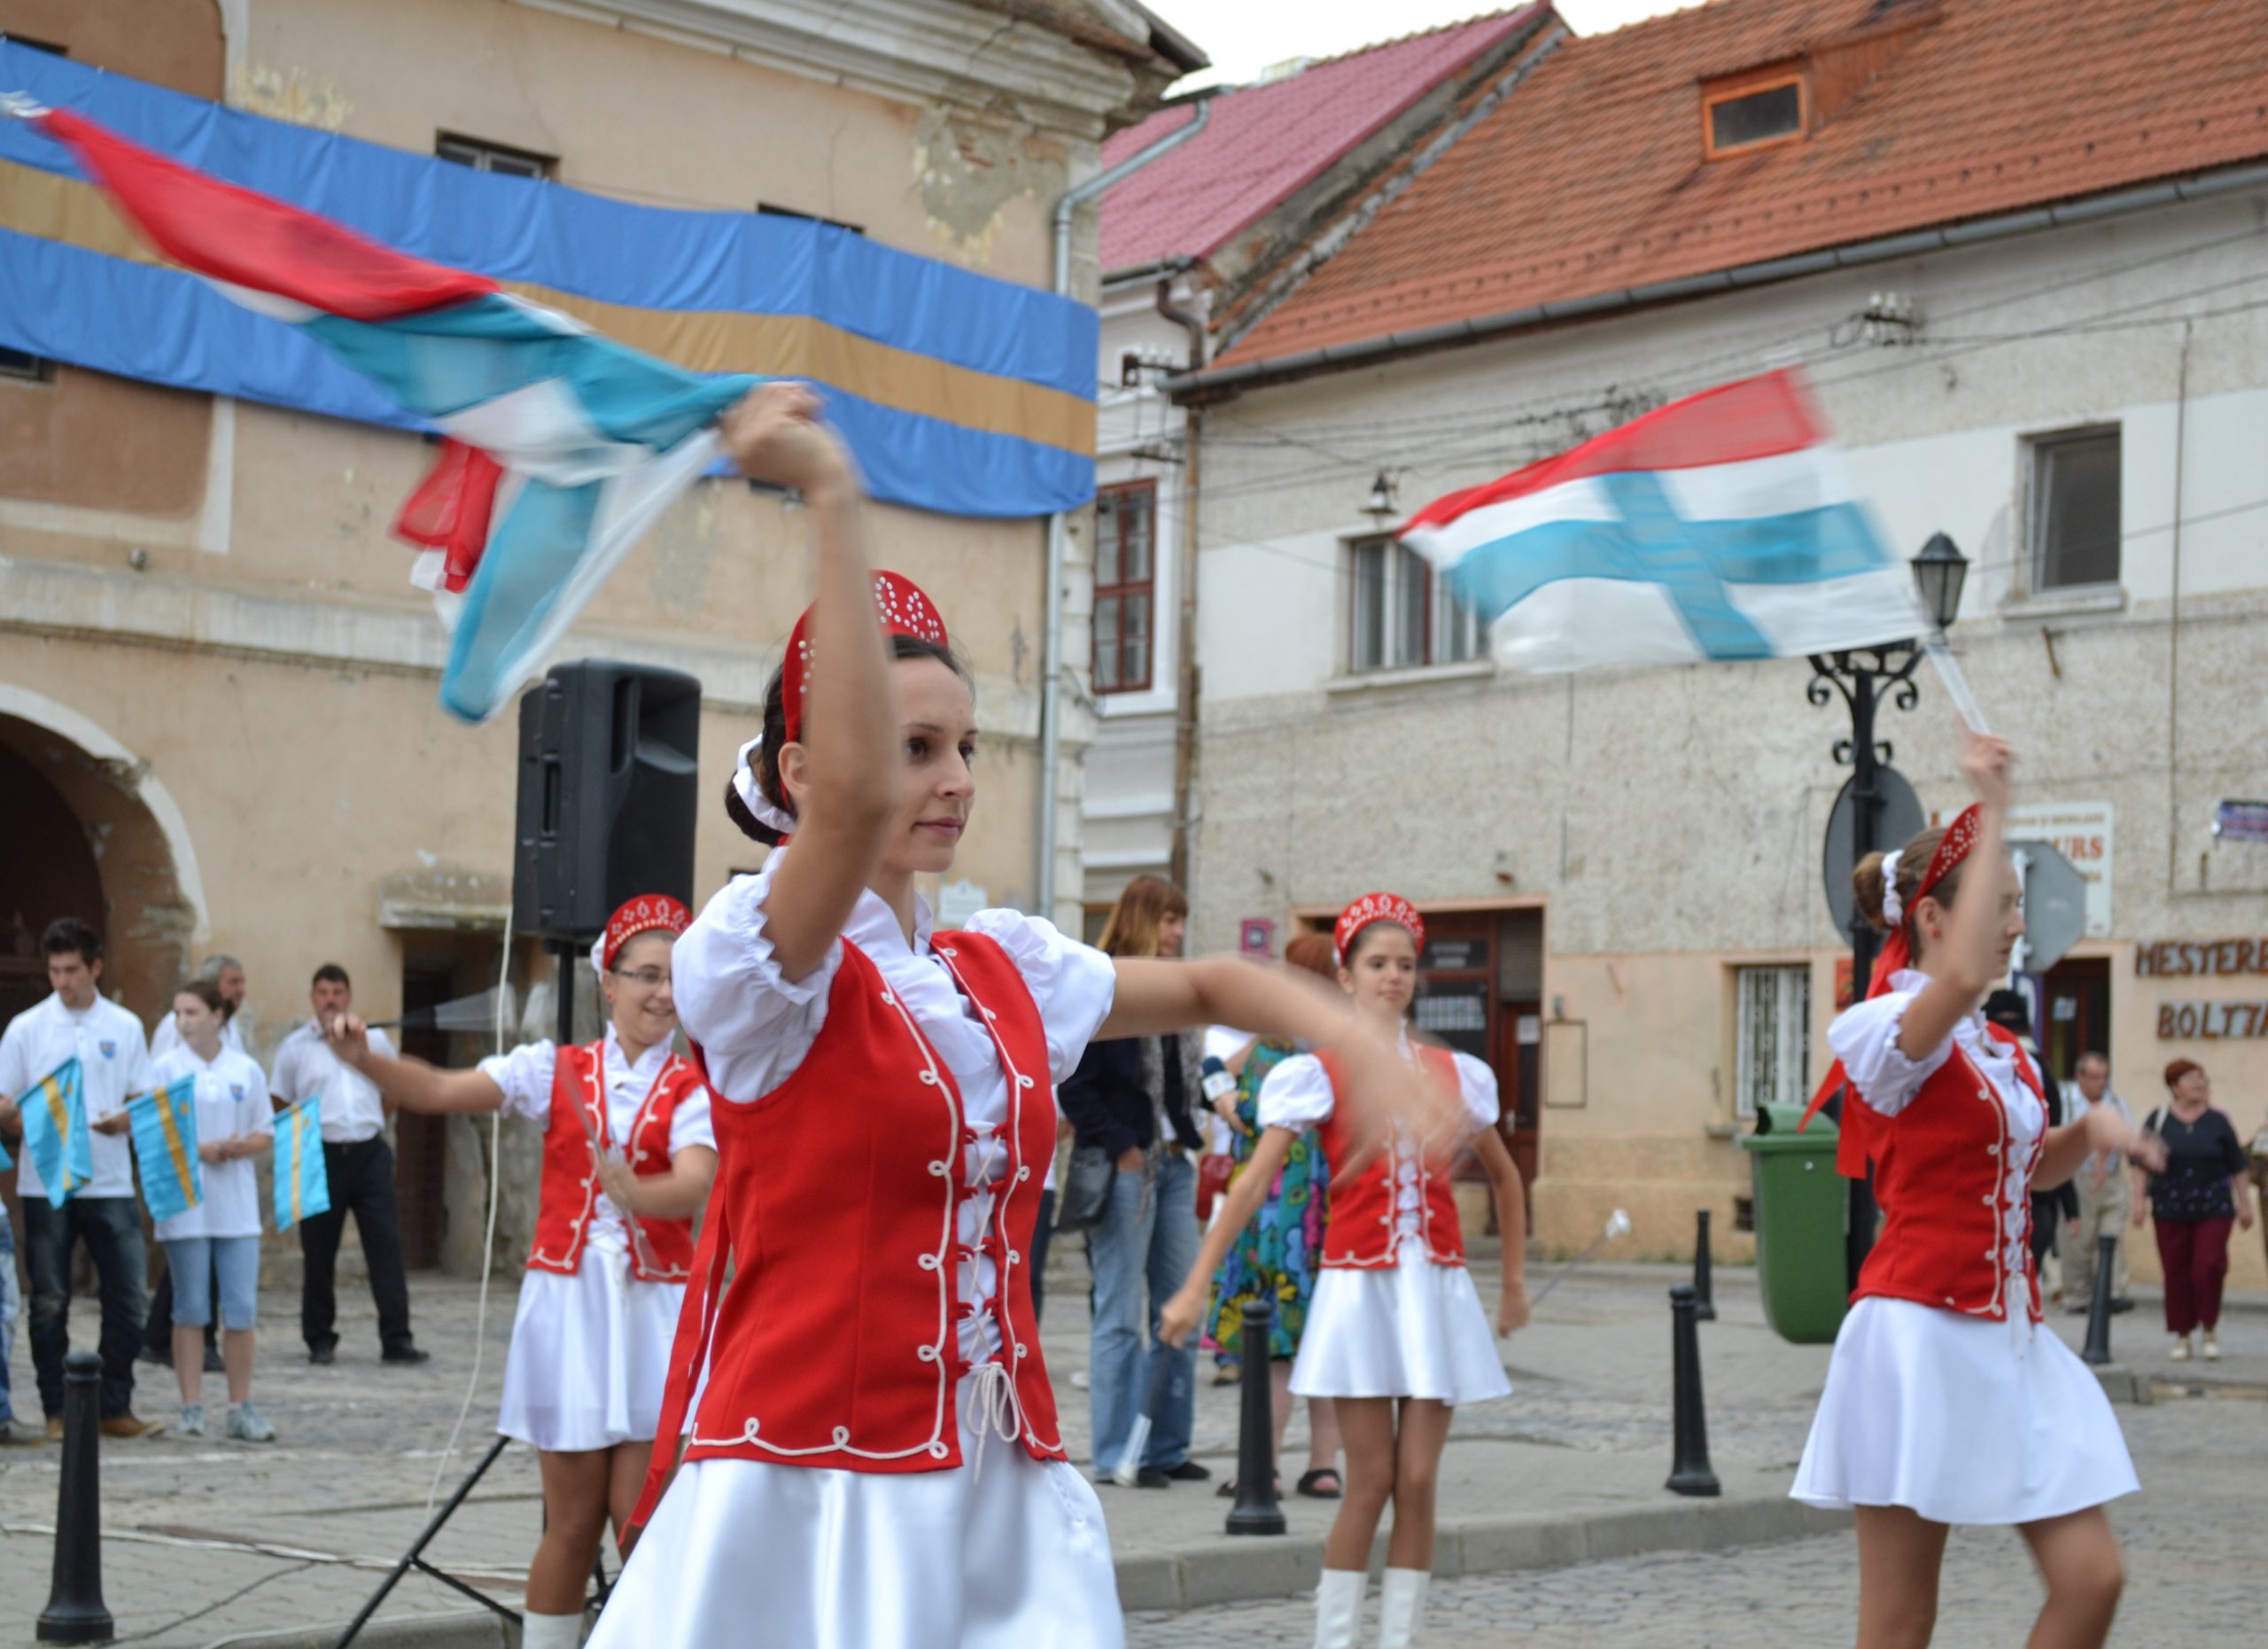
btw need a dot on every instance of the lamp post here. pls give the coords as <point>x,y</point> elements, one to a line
<point>1865,678</point>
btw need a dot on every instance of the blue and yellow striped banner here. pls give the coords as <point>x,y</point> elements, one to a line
<point>56,1138</point>
<point>958,391</point>
<point>164,1125</point>
<point>302,1182</point>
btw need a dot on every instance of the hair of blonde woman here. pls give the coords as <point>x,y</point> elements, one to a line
<point>1132,929</point>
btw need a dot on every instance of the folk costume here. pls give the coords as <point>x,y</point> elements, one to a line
<point>1943,1396</point>
<point>872,1458</point>
<point>1395,1312</point>
<point>599,1302</point>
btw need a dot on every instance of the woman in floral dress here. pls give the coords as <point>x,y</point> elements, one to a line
<point>1277,1258</point>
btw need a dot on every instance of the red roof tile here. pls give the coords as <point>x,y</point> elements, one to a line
<point>1590,179</point>
<point>1267,141</point>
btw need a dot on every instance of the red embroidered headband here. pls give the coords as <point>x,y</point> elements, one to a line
<point>1952,847</point>
<point>900,608</point>
<point>649,912</point>
<point>1376,907</point>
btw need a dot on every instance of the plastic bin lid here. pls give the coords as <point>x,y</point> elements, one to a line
<point>1775,1131</point>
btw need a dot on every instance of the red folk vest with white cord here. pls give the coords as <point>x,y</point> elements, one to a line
<point>837,1200</point>
<point>1359,1230</point>
<point>569,1192</point>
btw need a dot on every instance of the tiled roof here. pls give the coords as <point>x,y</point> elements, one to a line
<point>1267,141</point>
<point>1589,179</point>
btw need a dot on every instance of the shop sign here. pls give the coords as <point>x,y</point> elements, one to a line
<point>2186,959</point>
<point>2212,1021</point>
<point>1256,936</point>
<point>2241,822</point>
<point>2081,832</point>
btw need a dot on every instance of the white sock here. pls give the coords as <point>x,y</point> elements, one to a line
<point>1338,1607</point>
<point>550,1631</point>
<point>1402,1602</point>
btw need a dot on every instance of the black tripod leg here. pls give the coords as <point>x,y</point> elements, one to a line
<point>415,1554</point>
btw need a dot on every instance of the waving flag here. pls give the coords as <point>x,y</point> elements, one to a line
<point>563,447</point>
<point>164,1124</point>
<point>56,1136</point>
<point>1719,526</point>
<point>302,1183</point>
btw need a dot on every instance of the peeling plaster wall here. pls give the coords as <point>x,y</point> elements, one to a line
<point>1673,818</point>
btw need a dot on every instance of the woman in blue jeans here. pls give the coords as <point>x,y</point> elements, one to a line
<point>1133,1097</point>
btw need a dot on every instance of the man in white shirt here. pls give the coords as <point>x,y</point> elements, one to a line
<point>2103,1200</point>
<point>228,975</point>
<point>113,1066</point>
<point>359,1164</point>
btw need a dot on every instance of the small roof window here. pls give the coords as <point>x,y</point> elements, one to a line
<point>1753,113</point>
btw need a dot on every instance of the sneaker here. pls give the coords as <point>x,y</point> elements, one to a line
<point>192,1420</point>
<point>245,1425</point>
<point>407,1356</point>
<point>2212,1349</point>
<point>131,1426</point>
<point>2180,1351</point>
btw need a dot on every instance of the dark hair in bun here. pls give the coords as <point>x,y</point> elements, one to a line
<point>1867,882</point>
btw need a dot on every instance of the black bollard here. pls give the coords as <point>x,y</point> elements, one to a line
<point>1689,1470</point>
<point>1256,1511</point>
<point>74,1612</point>
<point>2106,1256</point>
<point>1705,1304</point>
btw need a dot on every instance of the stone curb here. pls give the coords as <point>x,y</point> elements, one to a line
<point>1280,1566</point>
<point>467,1629</point>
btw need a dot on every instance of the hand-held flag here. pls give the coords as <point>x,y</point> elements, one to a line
<point>302,1183</point>
<point>56,1138</point>
<point>1719,526</point>
<point>164,1124</point>
<point>562,450</point>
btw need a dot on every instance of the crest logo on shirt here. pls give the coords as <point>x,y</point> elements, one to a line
<point>109,1049</point>
<point>236,1091</point>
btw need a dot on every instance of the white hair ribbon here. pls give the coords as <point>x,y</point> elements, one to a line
<point>752,794</point>
<point>1893,909</point>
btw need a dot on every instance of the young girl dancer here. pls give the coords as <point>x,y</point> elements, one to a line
<point>1395,1322</point>
<point>1944,1402</point>
<point>871,1458</point>
<point>220,1235</point>
<point>628,1155</point>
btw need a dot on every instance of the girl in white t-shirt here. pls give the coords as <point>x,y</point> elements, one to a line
<point>220,1236</point>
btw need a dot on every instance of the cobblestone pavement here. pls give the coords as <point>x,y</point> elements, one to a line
<point>2193,1541</point>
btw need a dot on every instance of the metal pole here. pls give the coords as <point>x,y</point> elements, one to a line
<point>1689,1470</point>
<point>2106,1258</point>
<point>565,951</point>
<point>1256,1511</point>
<point>1705,1304</point>
<point>75,1613</point>
<point>1865,816</point>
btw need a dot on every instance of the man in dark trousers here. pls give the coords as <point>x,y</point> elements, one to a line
<point>359,1164</point>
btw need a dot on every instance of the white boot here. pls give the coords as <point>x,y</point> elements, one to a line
<point>1401,1602</point>
<point>550,1631</point>
<point>1338,1608</point>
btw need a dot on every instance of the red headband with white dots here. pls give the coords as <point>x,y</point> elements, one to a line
<point>1897,950</point>
<point>899,607</point>
<point>649,912</point>
<point>1376,907</point>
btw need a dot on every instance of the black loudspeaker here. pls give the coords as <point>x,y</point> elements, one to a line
<point>610,776</point>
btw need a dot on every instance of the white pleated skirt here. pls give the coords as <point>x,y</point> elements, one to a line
<point>1003,1551</point>
<point>1414,1329</point>
<point>590,1355</point>
<point>1960,1419</point>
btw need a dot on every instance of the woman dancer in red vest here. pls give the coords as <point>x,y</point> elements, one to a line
<point>1945,1403</point>
<point>871,1458</point>
<point>627,1157</point>
<point>1395,1323</point>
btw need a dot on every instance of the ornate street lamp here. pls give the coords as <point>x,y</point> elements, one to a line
<point>1863,677</point>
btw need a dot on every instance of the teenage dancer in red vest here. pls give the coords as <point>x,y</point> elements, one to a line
<point>1395,1323</point>
<point>627,1157</point>
<point>870,1455</point>
<point>1945,1403</point>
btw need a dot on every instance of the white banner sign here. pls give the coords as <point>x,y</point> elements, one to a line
<point>2081,832</point>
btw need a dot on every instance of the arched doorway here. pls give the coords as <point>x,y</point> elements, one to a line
<point>87,832</point>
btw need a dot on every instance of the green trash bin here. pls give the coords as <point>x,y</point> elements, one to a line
<point>1802,1212</point>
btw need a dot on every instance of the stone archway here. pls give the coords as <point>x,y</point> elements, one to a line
<point>85,820</point>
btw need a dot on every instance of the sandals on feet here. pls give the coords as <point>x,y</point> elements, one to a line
<point>1313,1485</point>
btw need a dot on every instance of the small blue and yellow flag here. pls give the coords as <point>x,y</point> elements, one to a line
<point>56,1135</point>
<point>164,1124</point>
<point>302,1185</point>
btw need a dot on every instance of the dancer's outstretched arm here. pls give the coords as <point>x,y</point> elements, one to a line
<point>1179,1314</point>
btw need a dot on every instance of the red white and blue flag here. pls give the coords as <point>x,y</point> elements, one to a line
<point>561,447</point>
<point>1720,526</point>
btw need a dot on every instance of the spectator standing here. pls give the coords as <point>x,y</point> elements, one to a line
<point>218,1238</point>
<point>2201,1190</point>
<point>1132,1096</point>
<point>2104,1200</point>
<point>76,1021</point>
<point>359,1164</point>
<point>226,973</point>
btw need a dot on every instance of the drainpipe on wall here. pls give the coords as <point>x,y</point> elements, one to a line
<point>1051,688</point>
<point>1186,689</point>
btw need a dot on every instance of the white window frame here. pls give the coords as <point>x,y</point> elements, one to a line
<point>1452,633</point>
<point>1771,1035</point>
<point>2039,452</point>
